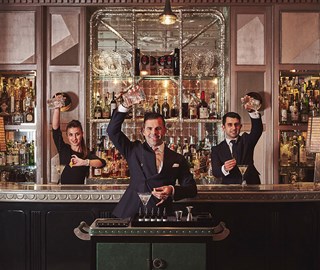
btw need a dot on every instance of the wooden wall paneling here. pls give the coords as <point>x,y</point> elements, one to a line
<point>66,67</point>
<point>252,71</point>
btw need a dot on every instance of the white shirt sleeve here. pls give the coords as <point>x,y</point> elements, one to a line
<point>122,109</point>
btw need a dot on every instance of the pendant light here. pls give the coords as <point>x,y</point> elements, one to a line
<point>167,17</point>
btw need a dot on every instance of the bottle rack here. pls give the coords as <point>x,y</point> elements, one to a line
<point>299,99</point>
<point>171,70</point>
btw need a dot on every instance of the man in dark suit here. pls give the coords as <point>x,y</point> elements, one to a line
<point>237,149</point>
<point>151,170</point>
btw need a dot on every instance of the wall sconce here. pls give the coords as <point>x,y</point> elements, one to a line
<point>167,17</point>
<point>313,144</point>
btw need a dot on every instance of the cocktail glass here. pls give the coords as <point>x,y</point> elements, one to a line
<point>243,169</point>
<point>144,197</point>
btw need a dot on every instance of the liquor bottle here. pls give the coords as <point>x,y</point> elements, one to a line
<point>193,106</point>
<point>97,108</point>
<point>15,154</point>
<point>302,151</point>
<point>172,145</point>
<point>283,112</point>
<point>12,99</point>
<point>106,107</point>
<point>31,154</point>
<point>202,108</point>
<point>179,146</point>
<point>294,149</point>
<point>284,150</point>
<point>156,106</point>
<point>17,117</point>
<point>294,110</point>
<point>22,151</point>
<point>185,105</point>
<point>174,109</point>
<point>165,108</point>
<point>176,62</point>
<point>137,62</point>
<point>213,107</point>
<point>303,111</point>
<point>113,104</point>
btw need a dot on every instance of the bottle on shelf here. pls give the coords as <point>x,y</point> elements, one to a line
<point>202,108</point>
<point>113,104</point>
<point>97,108</point>
<point>193,106</point>
<point>17,117</point>
<point>176,62</point>
<point>156,106</point>
<point>294,149</point>
<point>174,108</point>
<point>213,107</point>
<point>185,104</point>
<point>106,107</point>
<point>165,108</point>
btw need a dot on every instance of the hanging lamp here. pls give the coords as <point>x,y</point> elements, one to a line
<point>167,17</point>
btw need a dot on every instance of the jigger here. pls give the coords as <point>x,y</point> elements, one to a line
<point>189,216</point>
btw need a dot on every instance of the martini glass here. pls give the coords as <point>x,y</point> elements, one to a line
<point>242,169</point>
<point>144,197</point>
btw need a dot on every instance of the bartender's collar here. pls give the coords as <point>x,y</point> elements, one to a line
<point>161,147</point>
<point>229,140</point>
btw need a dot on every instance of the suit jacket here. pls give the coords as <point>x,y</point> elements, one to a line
<point>143,171</point>
<point>243,154</point>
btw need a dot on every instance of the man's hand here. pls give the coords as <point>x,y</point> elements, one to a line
<point>162,193</point>
<point>230,164</point>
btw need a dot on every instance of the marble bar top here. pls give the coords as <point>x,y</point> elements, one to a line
<point>111,193</point>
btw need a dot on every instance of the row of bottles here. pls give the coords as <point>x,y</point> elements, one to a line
<point>293,150</point>
<point>193,107</point>
<point>20,153</point>
<point>299,98</point>
<point>17,100</point>
<point>197,155</point>
<point>151,64</point>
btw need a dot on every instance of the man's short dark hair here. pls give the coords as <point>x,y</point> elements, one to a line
<point>231,115</point>
<point>152,116</point>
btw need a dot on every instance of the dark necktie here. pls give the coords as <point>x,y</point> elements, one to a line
<point>234,148</point>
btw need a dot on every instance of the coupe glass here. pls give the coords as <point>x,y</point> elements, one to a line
<point>243,169</point>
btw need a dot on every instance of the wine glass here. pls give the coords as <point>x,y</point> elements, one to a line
<point>242,169</point>
<point>144,197</point>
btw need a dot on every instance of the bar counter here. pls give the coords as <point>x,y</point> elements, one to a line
<point>271,226</point>
<point>29,192</point>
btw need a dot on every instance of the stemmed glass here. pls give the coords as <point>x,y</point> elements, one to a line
<point>243,169</point>
<point>144,197</point>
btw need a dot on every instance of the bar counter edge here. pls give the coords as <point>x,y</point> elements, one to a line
<point>271,226</point>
